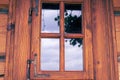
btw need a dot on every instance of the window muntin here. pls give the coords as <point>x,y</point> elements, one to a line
<point>70,21</point>
<point>86,41</point>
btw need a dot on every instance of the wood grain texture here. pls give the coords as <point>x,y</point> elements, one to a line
<point>3,20</point>
<point>2,68</point>
<point>10,42</point>
<point>116,3</point>
<point>4,1</point>
<point>117,23</point>
<point>103,47</point>
<point>22,40</point>
<point>118,42</point>
<point>119,69</point>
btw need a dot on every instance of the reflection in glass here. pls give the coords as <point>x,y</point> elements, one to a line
<point>49,12</point>
<point>73,18</point>
<point>49,54</point>
<point>73,56</point>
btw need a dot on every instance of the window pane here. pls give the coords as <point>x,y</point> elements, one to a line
<point>73,18</point>
<point>50,12</point>
<point>73,54</point>
<point>49,54</point>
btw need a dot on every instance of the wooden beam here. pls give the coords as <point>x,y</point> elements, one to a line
<point>104,52</point>
<point>22,40</point>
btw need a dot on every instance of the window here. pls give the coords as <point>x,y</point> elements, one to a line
<point>61,45</point>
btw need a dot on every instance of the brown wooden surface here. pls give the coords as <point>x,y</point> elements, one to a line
<point>103,47</point>
<point>1,78</point>
<point>2,67</point>
<point>117,23</point>
<point>22,40</point>
<point>119,69</point>
<point>87,36</point>
<point>10,43</point>
<point>116,3</point>
<point>3,24</point>
<point>4,1</point>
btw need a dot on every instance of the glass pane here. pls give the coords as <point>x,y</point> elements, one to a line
<point>50,12</point>
<point>73,18</point>
<point>49,54</point>
<point>73,54</point>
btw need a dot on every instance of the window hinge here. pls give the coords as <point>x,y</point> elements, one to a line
<point>33,9</point>
<point>29,62</point>
<point>10,27</point>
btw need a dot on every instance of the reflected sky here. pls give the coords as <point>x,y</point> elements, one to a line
<point>49,25</point>
<point>73,57</point>
<point>50,47</point>
<point>50,54</point>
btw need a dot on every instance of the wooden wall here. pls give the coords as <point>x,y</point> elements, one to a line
<point>117,25</point>
<point>3,32</point>
<point>3,23</point>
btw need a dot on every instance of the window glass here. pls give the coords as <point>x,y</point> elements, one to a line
<point>73,18</point>
<point>49,54</point>
<point>73,54</point>
<point>50,12</point>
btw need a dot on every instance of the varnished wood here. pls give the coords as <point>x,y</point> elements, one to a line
<point>116,3</point>
<point>104,54</point>
<point>10,42</point>
<point>66,1</point>
<point>62,51</point>
<point>50,35</point>
<point>2,67</point>
<point>35,39</point>
<point>4,1</point>
<point>118,41</point>
<point>117,23</point>
<point>73,35</point>
<point>87,39</point>
<point>87,73</point>
<point>22,40</point>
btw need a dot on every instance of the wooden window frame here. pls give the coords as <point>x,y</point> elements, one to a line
<point>87,73</point>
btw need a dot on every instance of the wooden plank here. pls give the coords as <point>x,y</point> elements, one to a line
<point>3,21</point>
<point>22,40</point>
<point>103,47</point>
<point>118,42</point>
<point>2,42</point>
<point>117,23</point>
<point>116,3</point>
<point>4,1</point>
<point>10,42</point>
<point>2,67</point>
